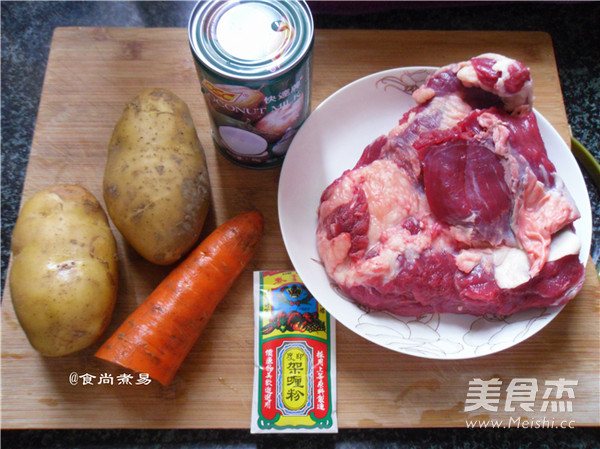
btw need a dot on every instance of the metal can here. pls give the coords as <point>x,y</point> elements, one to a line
<point>253,59</point>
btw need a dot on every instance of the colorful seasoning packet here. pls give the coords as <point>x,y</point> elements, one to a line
<point>294,358</point>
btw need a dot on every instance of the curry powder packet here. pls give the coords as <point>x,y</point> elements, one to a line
<point>294,358</point>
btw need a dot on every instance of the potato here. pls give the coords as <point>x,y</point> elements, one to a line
<point>64,272</point>
<point>156,185</point>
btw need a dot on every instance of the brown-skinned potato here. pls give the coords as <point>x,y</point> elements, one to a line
<point>156,185</point>
<point>64,271</point>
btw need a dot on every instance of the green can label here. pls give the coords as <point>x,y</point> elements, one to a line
<point>253,60</point>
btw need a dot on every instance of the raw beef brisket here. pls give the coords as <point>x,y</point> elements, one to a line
<point>458,208</point>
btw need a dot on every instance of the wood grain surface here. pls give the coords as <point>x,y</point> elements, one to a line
<point>91,74</point>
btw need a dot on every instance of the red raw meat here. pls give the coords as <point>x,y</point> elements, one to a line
<point>458,208</point>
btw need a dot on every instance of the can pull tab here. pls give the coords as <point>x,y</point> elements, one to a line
<point>289,33</point>
<point>279,25</point>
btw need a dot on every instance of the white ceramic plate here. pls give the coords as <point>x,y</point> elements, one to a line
<point>331,141</point>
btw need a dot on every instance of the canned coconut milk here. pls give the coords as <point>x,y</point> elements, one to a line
<point>253,59</point>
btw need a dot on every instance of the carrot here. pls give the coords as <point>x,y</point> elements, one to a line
<point>159,334</point>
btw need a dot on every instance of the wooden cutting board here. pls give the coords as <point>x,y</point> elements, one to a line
<point>91,74</point>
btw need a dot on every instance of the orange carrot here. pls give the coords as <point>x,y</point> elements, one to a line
<point>159,334</point>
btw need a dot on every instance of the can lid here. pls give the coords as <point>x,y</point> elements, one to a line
<point>250,39</point>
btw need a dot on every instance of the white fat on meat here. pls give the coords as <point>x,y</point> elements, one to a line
<point>540,213</point>
<point>391,198</point>
<point>515,102</point>
<point>511,266</point>
<point>564,243</point>
<point>454,110</point>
